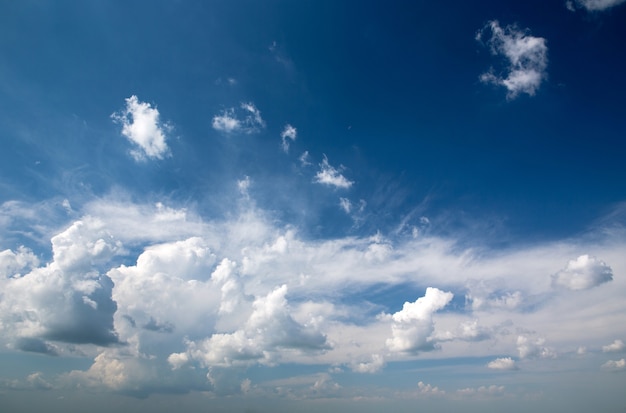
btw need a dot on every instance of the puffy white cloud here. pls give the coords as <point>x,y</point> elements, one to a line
<point>482,392</point>
<point>288,133</point>
<point>328,175</point>
<point>245,119</point>
<point>533,348</point>
<point>413,325</point>
<point>142,127</point>
<point>13,263</point>
<point>614,347</point>
<point>526,55</point>
<point>505,363</point>
<point>594,5</point>
<point>376,364</point>
<point>583,273</point>
<point>614,365</point>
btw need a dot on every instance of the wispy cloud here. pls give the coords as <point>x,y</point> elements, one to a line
<point>593,5</point>
<point>526,58</point>
<point>288,133</point>
<point>328,175</point>
<point>505,363</point>
<point>245,119</point>
<point>141,125</point>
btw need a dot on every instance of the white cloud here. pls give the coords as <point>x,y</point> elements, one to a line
<point>594,5</point>
<point>529,348</point>
<point>375,365</point>
<point>614,365</point>
<point>614,347</point>
<point>288,133</point>
<point>304,159</point>
<point>526,55</point>
<point>245,119</point>
<point>413,325</point>
<point>141,125</point>
<point>583,273</point>
<point>505,363</point>
<point>328,175</point>
<point>482,392</point>
<point>345,204</point>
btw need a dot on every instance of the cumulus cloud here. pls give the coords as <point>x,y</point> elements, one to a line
<point>376,364</point>
<point>142,127</point>
<point>614,347</point>
<point>593,5</point>
<point>533,348</point>
<point>328,175</point>
<point>482,392</point>
<point>614,365</point>
<point>244,119</point>
<point>526,57</point>
<point>583,273</point>
<point>413,326</point>
<point>505,363</point>
<point>288,133</point>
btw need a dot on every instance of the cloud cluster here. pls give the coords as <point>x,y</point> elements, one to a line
<point>142,127</point>
<point>526,57</point>
<point>583,273</point>
<point>245,119</point>
<point>594,5</point>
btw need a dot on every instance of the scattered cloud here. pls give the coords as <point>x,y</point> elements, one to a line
<point>533,348</point>
<point>142,127</point>
<point>305,159</point>
<point>328,175</point>
<point>614,365</point>
<point>526,59</point>
<point>244,119</point>
<point>615,347</point>
<point>583,273</point>
<point>375,365</point>
<point>413,325</point>
<point>593,5</point>
<point>506,363</point>
<point>288,133</point>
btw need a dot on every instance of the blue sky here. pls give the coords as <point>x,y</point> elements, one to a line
<point>256,205</point>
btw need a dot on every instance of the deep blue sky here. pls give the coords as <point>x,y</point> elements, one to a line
<point>426,166</point>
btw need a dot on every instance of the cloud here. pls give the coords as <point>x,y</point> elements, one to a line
<point>413,325</point>
<point>615,347</point>
<point>582,274</point>
<point>526,56</point>
<point>288,133</point>
<point>376,364</point>
<point>506,363</point>
<point>614,365</point>
<point>594,5</point>
<point>529,348</point>
<point>142,127</point>
<point>328,175</point>
<point>245,119</point>
<point>482,392</point>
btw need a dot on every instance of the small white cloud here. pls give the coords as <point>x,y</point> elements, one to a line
<point>328,175</point>
<point>289,132</point>
<point>142,127</point>
<point>526,55</point>
<point>245,119</point>
<point>615,347</point>
<point>529,348</point>
<point>583,273</point>
<point>614,365</point>
<point>305,159</point>
<point>413,325</point>
<point>594,5</point>
<point>345,204</point>
<point>375,365</point>
<point>425,388</point>
<point>506,363</point>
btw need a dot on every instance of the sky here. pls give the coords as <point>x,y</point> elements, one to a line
<point>261,206</point>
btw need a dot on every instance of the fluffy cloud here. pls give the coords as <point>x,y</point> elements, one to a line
<point>583,273</point>
<point>328,175</point>
<point>142,127</point>
<point>614,365</point>
<point>614,347</point>
<point>533,348</point>
<point>413,325</point>
<point>506,363</point>
<point>68,300</point>
<point>594,5</point>
<point>526,55</point>
<point>288,133</point>
<point>245,119</point>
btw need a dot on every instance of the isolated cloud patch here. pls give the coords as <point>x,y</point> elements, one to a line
<point>142,127</point>
<point>582,273</point>
<point>328,175</point>
<point>505,363</point>
<point>526,59</point>
<point>614,365</point>
<point>244,119</point>
<point>288,134</point>
<point>413,326</point>
<point>594,5</point>
<point>615,347</point>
